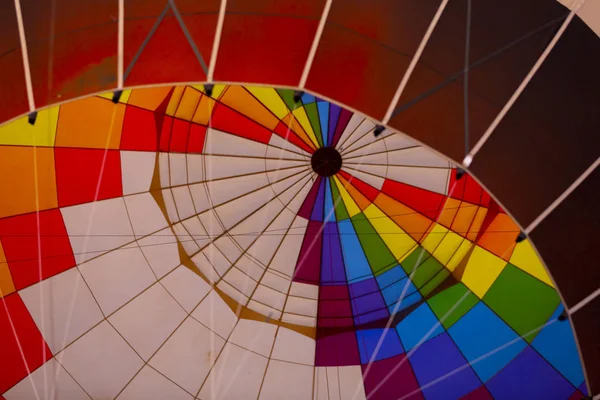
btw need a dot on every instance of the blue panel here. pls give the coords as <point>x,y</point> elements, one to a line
<point>392,293</point>
<point>367,343</point>
<point>390,277</point>
<point>557,345</point>
<point>479,332</point>
<point>308,98</point>
<point>329,214</point>
<point>372,316</point>
<point>529,377</point>
<point>416,325</point>
<point>364,287</point>
<point>357,266</point>
<point>435,359</point>
<point>324,119</point>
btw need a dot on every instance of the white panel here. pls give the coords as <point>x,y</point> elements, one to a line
<point>170,205</point>
<point>377,170</point>
<point>148,320</point>
<point>417,156</point>
<point>205,268</point>
<point>277,174</point>
<point>269,297</point>
<point>301,320</point>
<point>294,347</point>
<point>161,251</point>
<point>295,205</point>
<point>232,292</point>
<point>262,309</point>
<point>137,169</point>
<point>186,287</point>
<point>333,384</point>
<point>240,281</point>
<point>321,391</point>
<point>218,142</point>
<point>367,158</point>
<point>233,212</point>
<point>306,290</point>
<point>289,189</point>
<point>374,181</point>
<point>348,132</point>
<point>178,169</point>
<point>433,179</point>
<point>195,168</point>
<point>276,282</point>
<point>399,140</point>
<point>187,241</point>
<point>263,249</point>
<point>211,223</point>
<point>60,293</point>
<point>283,178</point>
<point>254,336</point>
<point>362,136</point>
<point>101,362</point>
<point>250,267</point>
<point>358,154</point>
<point>229,248</point>
<point>200,197</point>
<point>163,165</point>
<point>275,164</point>
<point>188,355</point>
<point>286,257</point>
<point>301,306</point>
<point>117,277</point>
<point>218,261</point>
<point>144,214</point>
<point>215,314</point>
<point>227,189</point>
<point>287,381</point>
<point>226,167</point>
<point>197,231</point>
<point>237,374</point>
<point>183,202</point>
<point>279,147</point>
<point>351,379</point>
<point>247,231</point>
<point>95,228</point>
<point>149,384</point>
<point>48,379</point>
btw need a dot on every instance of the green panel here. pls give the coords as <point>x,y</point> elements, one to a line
<point>442,302</point>
<point>434,282</point>
<point>340,209</point>
<point>313,117</point>
<point>521,300</point>
<point>378,255</point>
<point>288,97</point>
<point>427,269</point>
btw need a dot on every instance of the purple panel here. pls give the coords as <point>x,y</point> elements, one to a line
<point>309,202</point>
<point>368,303</point>
<point>337,350</point>
<point>334,114</point>
<point>529,376</point>
<point>308,266</point>
<point>583,388</point>
<point>372,316</point>
<point>332,262</point>
<point>383,384</point>
<point>317,212</point>
<point>363,287</point>
<point>436,358</point>
<point>345,116</point>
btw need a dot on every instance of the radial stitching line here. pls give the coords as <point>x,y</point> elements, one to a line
<point>120,44</point>
<point>466,78</point>
<point>25,54</point>
<point>315,44</point>
<point>188,36</point>
<point>216,42</point>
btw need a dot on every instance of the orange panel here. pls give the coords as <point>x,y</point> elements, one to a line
<point>92,123</point>
<point>413,223</point>
<point>6,283</point>
<point>499,238</point>
<point>17,183</point>
<point>149,98</point>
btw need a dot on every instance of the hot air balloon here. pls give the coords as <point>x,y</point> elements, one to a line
<point>326,199</point>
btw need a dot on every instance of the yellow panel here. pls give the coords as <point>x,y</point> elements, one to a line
<point>458,256</point>
<point>188,104</point>
<point>17,180</point>
<point>6,283</point>
<point>482,270</point>
<point>351,206</point>
<point>204,110</point>
<point>21,132</point>
<point>434,238</point>
<point>413,223</point>
<point>218,90</point>
<point>123,99</point>
<point>291,122</point>
<point>242,101</point>
<point>524,257</point>
<point>175,99</point>
<point>399,242</point>
<point>270,98</point>
<point>300,114</point>
<point>92,123</point>
<point>449,245</point>
<point>361,201</point>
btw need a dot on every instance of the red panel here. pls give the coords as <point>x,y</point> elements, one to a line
<point>227,120</point>
<point>467,189</point>
<point>180,135</point>
<point>480,393</point>
<point>197,137</point>
<point>164,141</point>
<point>400,380</point>
<point>425,202</point>
<point>20,336</point>
<point>19,236</point>
<point>139,130</point>
<point>168,57</point>
<point>79,170</point>
<point>303,8</point>
<point>264,49</point>
<point>285,132</point>
<point>369,191</point>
